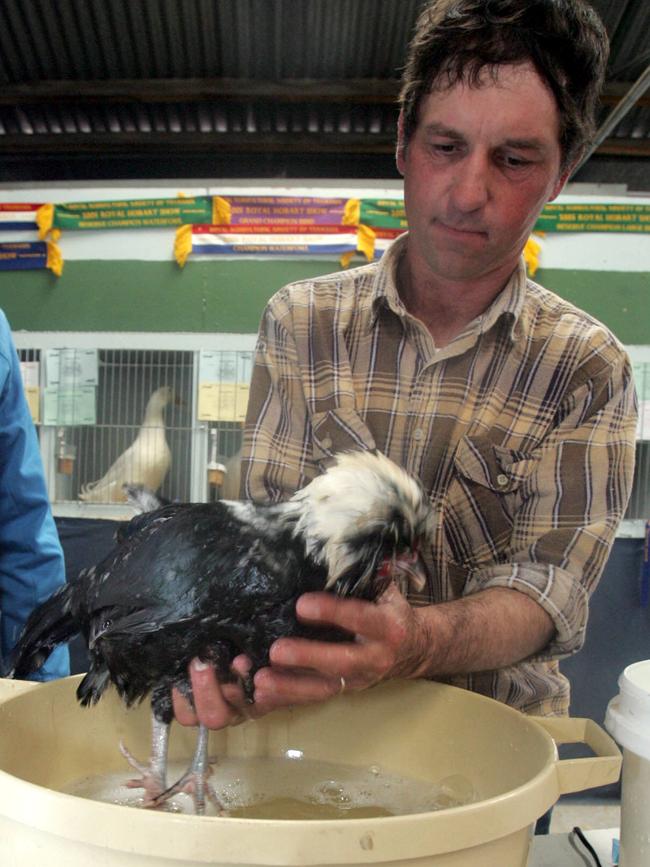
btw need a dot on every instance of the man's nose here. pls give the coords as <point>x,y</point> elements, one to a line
<point>470,187</point>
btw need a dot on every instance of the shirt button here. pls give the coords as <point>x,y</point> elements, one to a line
<point>502,480</point>
<point>326,443</point>
<point>418,434</point>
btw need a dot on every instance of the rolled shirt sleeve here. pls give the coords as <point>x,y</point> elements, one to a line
<point>571,503</point>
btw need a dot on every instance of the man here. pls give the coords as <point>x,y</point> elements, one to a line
<point>515,409</point>
<point>31,559</point>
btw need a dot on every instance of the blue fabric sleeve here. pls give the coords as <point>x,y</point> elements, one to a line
<point>31,558</point>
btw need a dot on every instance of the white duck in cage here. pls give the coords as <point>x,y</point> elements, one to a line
<point>145,462</point>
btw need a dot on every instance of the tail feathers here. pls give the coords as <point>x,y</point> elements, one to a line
<point>102,492</point>
<point>91,688</point>
<point>50,624</point>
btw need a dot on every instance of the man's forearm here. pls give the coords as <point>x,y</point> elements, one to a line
<point>492,629</point>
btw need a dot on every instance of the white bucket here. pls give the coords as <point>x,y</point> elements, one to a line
<point>628,721</point>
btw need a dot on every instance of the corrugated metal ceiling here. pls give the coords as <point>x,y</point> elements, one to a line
<point>235,76</point>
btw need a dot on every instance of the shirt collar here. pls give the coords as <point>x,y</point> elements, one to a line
<point>385,287</point>
<point>509,303</point>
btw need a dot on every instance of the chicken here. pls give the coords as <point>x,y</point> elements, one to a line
<point>145,462</point>
<point>230,488</point>
<point>142,498</point>
<point>213,580</point>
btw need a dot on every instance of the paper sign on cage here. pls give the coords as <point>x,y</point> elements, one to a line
<point>69,406</point>
<point>283,240</point>
<point>223,401</point>
<point>219,365</point>
<point>30,372</point>
<point>33,398</point>
<point>71,368</point>
<point>641,375</point>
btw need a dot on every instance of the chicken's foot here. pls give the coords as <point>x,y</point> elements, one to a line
<point>153,777</point>
<point>194,781</point>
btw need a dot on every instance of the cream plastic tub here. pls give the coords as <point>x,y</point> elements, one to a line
<point>416,729</point>
<point>628,720</point>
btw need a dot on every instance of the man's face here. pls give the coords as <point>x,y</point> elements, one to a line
<point>479,167</point>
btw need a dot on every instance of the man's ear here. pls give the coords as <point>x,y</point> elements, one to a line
<point>562,179</point>
<point>400,150</point>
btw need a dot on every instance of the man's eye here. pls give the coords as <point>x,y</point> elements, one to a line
<point>444,148</point>
<point>515,162</point>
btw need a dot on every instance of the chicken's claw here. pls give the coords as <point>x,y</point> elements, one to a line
<point>152,780</point>
<point>194,781</point>
<point>195,784</point>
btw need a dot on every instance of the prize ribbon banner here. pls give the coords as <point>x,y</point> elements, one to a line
<point>137,214</point>
<point>594,218</point>
<point>386,218</point>
<point>295,210</point>
<point>17,216</point>
<point>27,256</point>
<point>383,213</point>
<point>287,239</point>
<point>384,238</point>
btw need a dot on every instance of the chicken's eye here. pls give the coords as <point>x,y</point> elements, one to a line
<point>106,625</point>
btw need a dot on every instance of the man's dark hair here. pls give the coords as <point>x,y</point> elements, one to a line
<point>460,40</point>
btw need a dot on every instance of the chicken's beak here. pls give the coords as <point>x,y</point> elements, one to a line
<point>408,569</point>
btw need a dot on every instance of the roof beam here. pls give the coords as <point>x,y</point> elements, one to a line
<point>186,143</point>
<point>152,90</point>
<point>365,90</point>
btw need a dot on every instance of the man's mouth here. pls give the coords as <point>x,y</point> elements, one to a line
<point>461,231</point>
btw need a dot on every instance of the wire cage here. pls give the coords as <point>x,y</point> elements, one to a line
<point>639,504</point>
<point>143,419</point>
<point>169,420</point>
<point>638,507</point>
<point>201,420</point>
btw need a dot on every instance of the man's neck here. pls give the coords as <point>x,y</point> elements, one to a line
<point>446,307</point>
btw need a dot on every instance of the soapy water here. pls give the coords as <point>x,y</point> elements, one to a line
<point>294,788</point>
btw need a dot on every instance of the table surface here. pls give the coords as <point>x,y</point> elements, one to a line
<point>559,850</point>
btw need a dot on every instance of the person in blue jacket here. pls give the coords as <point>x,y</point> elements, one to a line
<point>31,558</point>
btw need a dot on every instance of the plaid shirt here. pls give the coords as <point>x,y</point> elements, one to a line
<point>521,429</point>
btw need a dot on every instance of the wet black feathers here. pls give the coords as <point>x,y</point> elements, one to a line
<point>217,579</point>
<point>185,581</point>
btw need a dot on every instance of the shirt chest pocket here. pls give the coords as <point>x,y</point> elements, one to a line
<point>339,430</point>
<point>488,485</point>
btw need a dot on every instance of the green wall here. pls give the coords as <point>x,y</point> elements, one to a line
<point>148,296</point>
<point>229,296</point>
<point>618,299</point>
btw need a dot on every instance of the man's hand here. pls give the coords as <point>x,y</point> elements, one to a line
<point>390,640</point>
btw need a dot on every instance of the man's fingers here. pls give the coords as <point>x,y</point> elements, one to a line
<point>241,665</point>
<point>302,671</point>
<point>352,615</point>
<point>212,708</point>
<point>276,688</point>
<point>355,616</point>
<point>183,710</point>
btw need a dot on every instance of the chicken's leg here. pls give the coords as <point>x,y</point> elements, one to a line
<point>154,775</point>
<point>194,781</point>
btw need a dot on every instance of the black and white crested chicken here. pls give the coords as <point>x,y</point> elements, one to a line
<point>213,580</point>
